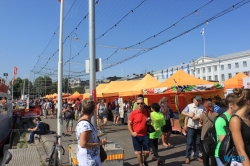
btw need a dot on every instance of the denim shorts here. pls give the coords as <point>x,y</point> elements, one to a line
<point>141,143</point>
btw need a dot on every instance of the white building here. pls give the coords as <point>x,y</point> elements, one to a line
<point>218,68</point>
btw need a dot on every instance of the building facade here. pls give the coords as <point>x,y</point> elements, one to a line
<point>218,68</point>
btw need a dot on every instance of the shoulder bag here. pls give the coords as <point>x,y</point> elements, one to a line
<point>103,154</point>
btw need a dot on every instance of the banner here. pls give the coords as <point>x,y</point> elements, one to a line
<point>121,111</point>
<point>15,73</point>
<point>246,83</point>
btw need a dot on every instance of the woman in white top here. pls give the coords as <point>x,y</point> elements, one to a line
<point>88,153</point>
<point>102,115</point>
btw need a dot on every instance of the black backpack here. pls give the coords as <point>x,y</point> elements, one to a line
<point>113,105</point>
<point>46,127</point>
<point>227,147</point>
<point>210,140</point>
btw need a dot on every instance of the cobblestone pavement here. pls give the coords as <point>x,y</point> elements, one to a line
<point>174,156</point>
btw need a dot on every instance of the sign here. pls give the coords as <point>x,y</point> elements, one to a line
<point>246,83</point>
<point>98,65</point>
<point>121,111</point>
<point>94,95</point>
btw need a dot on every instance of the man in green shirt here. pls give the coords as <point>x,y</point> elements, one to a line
<point>220,123</point>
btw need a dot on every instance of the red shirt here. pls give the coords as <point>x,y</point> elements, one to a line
<point>138,119</point>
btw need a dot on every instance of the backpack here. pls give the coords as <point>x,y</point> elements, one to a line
<point>227,146</point>
<point>113,106</point>
<point>210,140</point>
<point>69,114</point>
<point>46,127</point>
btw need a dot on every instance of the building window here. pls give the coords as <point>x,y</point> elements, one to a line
<point>202,60</point>
<point>246,73</point>
<point>222,77</point>
<point>209,77</point>
<point>222,67</point>
<point>204,78</point>
<point>229,66</point>
<point>203,69</point>
<point>198,71</point>
<point>244,63</point>
<point>229,75</point>
<point>157,77</point>
<point>236,65</point>
<point>192,71</point>
<point>216,78</point>
<point>215,68</point>
<point>198,77</point>
<point>209,69</point>
<point>237,73</point>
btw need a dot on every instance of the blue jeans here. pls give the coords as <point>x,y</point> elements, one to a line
<point>219,163</point>
<point>193,135</point>
<point>32,135</point>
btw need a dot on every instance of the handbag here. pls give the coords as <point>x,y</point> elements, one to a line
<point>103,154</point>
<point>150,128</point>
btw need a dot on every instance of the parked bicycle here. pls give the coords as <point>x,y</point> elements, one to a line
<point>52,158</point>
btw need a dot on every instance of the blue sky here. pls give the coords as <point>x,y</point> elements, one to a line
<point>26,27</point>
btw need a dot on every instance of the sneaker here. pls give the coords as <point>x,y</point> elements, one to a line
<point>145,163</point>
<point>29,142</point>
<point>154,158</point>
<point>159,161</point>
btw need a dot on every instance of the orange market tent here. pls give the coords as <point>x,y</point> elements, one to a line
<point>115,87</point>
<point>86,96</point>
<point>75,96</point>
<point>101,87</point>
<point>182,78</point>
<point>147,82</point>
<point>235,82</point>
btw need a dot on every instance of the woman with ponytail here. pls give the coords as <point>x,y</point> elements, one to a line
<point>240,127</point>
<point>206,121</point>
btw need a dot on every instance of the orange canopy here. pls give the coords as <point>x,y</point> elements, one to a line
<point>147,82</point>
<point>75,96</point>
<point>235,82</point>
<point>86,96</point>
<point>182,78</point>
<point>115,87</point>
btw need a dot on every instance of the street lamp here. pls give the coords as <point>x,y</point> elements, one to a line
<point>76,38</point>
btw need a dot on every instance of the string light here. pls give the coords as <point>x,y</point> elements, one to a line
<point>196,12</point>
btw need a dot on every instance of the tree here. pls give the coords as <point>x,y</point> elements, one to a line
<point>79,89</point>
<point>43,85</point>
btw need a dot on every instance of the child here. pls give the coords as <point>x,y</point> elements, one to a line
<point>157,121</point>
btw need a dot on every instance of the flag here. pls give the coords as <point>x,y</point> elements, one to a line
<point>172,71</point>
<point>177,69</point>
<point>59,0</point>
<point>162,75</point>
<point>202,31</point>
<point>15,73</point>
<point>167,74</point>
<point>188,69</point>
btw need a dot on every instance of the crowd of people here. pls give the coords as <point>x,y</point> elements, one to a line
<point>200,116</point>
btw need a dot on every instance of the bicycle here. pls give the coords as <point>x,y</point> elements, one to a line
<point>52,158</point>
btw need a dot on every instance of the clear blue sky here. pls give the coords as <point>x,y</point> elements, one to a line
<point>27,26</point>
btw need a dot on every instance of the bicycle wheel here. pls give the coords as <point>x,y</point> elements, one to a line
<point>55,162</point>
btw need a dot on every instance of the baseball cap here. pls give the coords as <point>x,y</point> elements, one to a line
<point>198,97</point>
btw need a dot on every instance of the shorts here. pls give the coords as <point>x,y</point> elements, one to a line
<point>102,115</point>
<point>141,143</point>
<point>115,113</point>
<point>167,127</point>
<point>69,122</point>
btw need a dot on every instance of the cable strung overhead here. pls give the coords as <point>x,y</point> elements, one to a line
<point>146,25</point>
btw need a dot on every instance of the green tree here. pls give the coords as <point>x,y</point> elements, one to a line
<point>79,89</point>
<point>43,85</point>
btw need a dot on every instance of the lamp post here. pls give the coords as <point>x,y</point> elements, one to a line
<point>76,38</point>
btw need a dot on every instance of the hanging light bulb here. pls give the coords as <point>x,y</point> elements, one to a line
<point>173,25</point>
<point>169,41</point>
<point>206,22</point>
<point>186,33</point>
<point>196,12</point>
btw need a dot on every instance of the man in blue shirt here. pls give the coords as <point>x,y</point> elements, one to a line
<point>39,129</point>
<point>217,101</point>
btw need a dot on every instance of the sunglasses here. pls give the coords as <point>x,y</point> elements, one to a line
<point>140,103</point>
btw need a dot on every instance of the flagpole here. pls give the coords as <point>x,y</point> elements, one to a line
<point>59,86</point>
<point>204,42</point>
<point>12,83</point>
